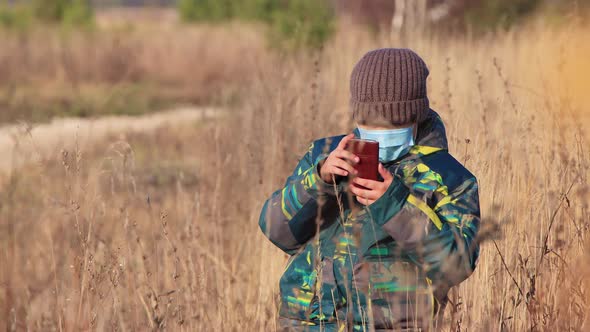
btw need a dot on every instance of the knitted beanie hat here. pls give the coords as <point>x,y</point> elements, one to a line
<point>388,86</point>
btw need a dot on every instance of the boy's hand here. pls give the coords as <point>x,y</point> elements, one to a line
<point>376,188</point>
<point>339,161</point>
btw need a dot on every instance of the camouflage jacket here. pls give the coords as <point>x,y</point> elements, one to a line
<point>387,264</point>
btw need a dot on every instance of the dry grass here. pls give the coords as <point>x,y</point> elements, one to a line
<point>160,230</point>
<point>120,69</point>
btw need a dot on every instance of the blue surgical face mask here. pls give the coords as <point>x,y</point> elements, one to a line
<point>393,143</point>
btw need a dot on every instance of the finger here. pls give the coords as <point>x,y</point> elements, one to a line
<point>337,171</point>
<point>364,193</point>
<point>384,173</point>
<point>353,189</point>
<point>367,183</point>
<point>344,154</point>
<point>361,200</point>
<point>356,190</point>
<point>344,165</point>
<point>344,141</point>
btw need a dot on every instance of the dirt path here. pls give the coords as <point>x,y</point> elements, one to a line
<point>21,144</point>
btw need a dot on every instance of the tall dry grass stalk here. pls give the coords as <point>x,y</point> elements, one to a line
<point>160,230</point>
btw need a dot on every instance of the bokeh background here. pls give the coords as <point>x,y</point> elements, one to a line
<point>139,140</point>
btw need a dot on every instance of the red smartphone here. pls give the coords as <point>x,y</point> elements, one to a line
<point>368,153</point>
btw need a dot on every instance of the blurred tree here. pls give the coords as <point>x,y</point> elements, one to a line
<point>375,13</point>
<point>481,15</point>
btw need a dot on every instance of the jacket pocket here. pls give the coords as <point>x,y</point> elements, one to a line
<point>298,285</point>
<point>400,294</point>
<point>327,299</point>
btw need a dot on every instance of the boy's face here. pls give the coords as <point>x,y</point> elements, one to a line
<point>387,126</point>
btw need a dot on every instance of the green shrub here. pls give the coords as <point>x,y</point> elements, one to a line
<point>302,23</point>
<point>259,10</point>
<point>19,17</point>
<point>71,12</point>
<point>205,10</point>
<point>293,23</point>
<point>483,15</point>
<point>79,12</point>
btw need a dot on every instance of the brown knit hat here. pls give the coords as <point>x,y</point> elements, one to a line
<point>388,86</point>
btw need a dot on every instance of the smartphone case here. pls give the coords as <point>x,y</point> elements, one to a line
<point>368,153</point>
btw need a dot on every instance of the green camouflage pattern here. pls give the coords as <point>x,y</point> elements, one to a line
<point>388,265</point>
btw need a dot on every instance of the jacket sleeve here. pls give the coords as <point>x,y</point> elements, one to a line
<point>441,239</point>
<point>288,217</point>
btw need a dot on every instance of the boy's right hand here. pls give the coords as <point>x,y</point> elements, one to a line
<point>339,162</point>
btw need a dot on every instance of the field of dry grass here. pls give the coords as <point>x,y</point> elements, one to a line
<point>119,68</point>
<point>159,230</point>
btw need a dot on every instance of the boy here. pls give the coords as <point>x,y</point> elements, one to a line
<point>384,257</point>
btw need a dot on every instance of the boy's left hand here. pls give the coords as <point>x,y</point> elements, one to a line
<point>375,190</point>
